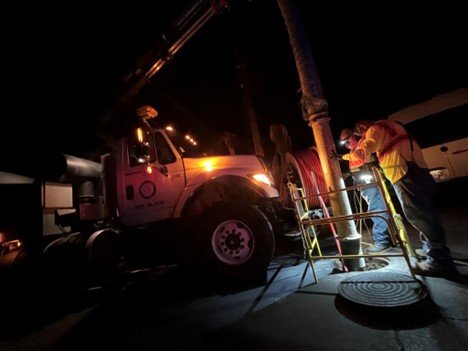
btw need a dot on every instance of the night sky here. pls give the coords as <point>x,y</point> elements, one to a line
<point>63,67</point>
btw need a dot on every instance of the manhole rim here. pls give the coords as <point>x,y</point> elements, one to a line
<point>384,261</point>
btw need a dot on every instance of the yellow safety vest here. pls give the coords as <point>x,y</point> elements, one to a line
<point>393,146</point>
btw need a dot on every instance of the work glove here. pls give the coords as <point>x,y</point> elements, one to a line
<point>335,156</point>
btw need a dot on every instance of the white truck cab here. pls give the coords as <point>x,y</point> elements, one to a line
<point>223,200</point>
<point>159,186</point>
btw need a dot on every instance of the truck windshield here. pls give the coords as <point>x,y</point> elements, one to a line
<point>187,144</point>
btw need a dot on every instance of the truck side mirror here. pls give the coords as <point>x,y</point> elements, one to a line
<point>164,171</point>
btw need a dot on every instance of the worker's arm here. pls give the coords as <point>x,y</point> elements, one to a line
<point>350,157</point>
<point>371,143</point>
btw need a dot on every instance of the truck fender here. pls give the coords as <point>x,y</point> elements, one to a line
<point>104,249</point>
<point>194,200</point>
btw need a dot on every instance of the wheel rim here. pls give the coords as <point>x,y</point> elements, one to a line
<point>233,242</point>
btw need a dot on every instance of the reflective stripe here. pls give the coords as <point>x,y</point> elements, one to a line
<point>387,148</point>
<point>391,144</point>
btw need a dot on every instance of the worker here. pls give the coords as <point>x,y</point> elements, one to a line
<point>371,194</point>
<point>402,162</point>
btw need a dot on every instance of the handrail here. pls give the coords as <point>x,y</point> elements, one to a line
<point>394,221</point>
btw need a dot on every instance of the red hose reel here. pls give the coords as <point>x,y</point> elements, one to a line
<point>304,162</point>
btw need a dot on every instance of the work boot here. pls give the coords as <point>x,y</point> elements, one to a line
<point>379,248</point>
<point>421,254</point>
<point>431,268</point>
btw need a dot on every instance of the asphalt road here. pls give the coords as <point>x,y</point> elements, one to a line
<point>171,309</point>
<point>161,308</point>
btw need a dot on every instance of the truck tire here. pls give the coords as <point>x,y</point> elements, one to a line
<point>237,239</point>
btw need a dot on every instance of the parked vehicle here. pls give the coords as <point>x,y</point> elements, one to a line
<point>437,125</point>
<point>219,211</point>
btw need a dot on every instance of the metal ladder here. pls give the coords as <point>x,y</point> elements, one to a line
<point>307,224</point>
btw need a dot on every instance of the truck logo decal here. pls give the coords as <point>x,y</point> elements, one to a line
<point>147,189</point>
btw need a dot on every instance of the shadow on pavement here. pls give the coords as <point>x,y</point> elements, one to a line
<point>30,302</point>
<point>418,315</point>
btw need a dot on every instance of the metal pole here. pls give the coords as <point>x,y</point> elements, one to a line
<point>188,24</point>
<point>315,112</point>
<point>248,104</point>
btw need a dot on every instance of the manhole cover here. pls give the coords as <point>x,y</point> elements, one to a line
<point>382,289</point>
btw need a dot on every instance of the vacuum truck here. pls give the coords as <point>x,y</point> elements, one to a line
<point>149,191</point>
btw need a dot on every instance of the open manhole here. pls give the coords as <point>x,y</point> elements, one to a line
<point>373,263</point>
<point>382,289</point>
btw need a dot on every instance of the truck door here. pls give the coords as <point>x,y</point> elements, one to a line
<point>151,186</point>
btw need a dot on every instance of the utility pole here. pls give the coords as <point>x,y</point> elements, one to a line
<point>247,102</point>
<point>315,112</point>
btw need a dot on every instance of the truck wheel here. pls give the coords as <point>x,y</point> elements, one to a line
<point>237,239</point>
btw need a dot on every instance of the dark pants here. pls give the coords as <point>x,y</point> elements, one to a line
<point>415,191</point>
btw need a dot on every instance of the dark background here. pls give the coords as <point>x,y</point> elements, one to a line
<point>64,66</point>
